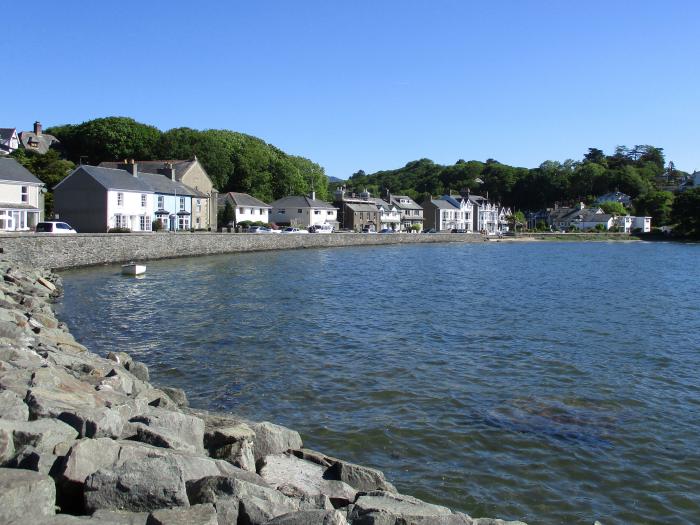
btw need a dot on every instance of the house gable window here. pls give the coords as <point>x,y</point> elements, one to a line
<point>25,194</point>
<point>161,202</point>
<point>120,200</point>
<point>143,200</point>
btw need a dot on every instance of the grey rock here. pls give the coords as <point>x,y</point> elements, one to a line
<point>274,439</point>
<point>310,517</point>
<point>259,505</point>
<point>491,521</point>
<point>30,458</point>
<point>42,434</point>
<point>227,511</point>
<point>25,495</point>
<point>12,406</point>
<point>121,358</point>
<point>170,429</point>
<point>178,395</point>
<point>227,435</point>
<point>119,517</point>
<point>360,477</point>
<point>293,476</point>
<point>195,515</point>
<point>7,446</point>
<point>16,380</point>
<point>54,391</point>
<point>315,457</point>
<point>145,485</point>
<point>139,370</point>
<point>211,488</point>
<point>379,507</point>
<point>87,456</point>
<point>239,454</point>
<point>119,380</point>
<point>95,422</point>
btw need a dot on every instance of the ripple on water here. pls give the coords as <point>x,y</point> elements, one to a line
<point>553,383</point>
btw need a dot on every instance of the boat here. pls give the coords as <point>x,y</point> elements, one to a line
<point>133,269</point>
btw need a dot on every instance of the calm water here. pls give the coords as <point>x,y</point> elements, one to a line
<point>553,383</point>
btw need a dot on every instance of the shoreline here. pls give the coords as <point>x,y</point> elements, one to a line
<point>92,436</point>
<point>80,250</point>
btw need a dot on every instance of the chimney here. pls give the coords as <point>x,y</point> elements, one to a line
<point>170,170</point>
<point>132,167</point>
<point>37,128</point>
<point>313,195</point>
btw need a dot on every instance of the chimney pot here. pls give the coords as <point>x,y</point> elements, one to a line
<point>37,128</point>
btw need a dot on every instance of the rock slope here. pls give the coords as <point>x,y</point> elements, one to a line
<point>87,439</point>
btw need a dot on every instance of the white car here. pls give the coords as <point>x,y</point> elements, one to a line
<point>292,229</point>
<point>259,229</point>
<point>56,227</point>
<point>321,228</point>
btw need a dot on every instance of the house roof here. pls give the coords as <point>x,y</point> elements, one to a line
<point>362,206</point>
<point>11,170</point>
<point>6,133</point>
<point>16,206</point>
<point>242,199</point>
<point>301,201</point>
<point>443,204</point>
<point>410,205</point>
<point>117,179</point>
<point>156,166</point>
<point>40,143</point>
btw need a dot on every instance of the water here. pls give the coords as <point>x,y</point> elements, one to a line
<point>547,382</point>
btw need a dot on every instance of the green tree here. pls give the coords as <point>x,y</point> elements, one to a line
<point>686,213</point>
<point>655,204</point>
<point>49,168</point>
<point>613,208</point>
<point>108,139</point>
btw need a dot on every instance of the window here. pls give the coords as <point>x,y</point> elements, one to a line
<point>261,211</point>
<point>281,211</point>
<point>317,212</point>
<point>197,221</point>
<point>119,221</point>
<point>299,210</point>
<point>161,202</point>
<point>329,213</point>
<point>240,210</point>
<point>143,200</point>
<point>142,223</point>
<point>25,194</point>
<point>182,203</point>
<point>199,206</point>
<point>120,199</point>
<point>184,223</point>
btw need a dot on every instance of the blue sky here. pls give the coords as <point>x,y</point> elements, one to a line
<point>370,84</point>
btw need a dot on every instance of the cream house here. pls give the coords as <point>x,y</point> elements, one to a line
<point>21,197</point>
<point>245,207</point>
<point>303,211</point>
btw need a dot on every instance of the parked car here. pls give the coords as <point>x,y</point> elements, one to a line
<point>386,230</point>
<point>321,228</point>
<point>458,230</point>
<point>292,229</point>
<point>259,229</point>
<point>431,230</point>
<point>54,227</point>
<point>368,229</point>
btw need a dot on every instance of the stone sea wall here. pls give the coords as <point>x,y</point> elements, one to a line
<point>56,251</point>
<point>89,439</point>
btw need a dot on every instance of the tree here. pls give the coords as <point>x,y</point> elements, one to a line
<point>108,139</point>
<point>686,213</point>
<point>227,215</point>
<point>613,208</point>
<point>49,168</point>
<point>655,204</point>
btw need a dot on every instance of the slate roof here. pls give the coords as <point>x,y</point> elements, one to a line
<point>6,133</point>
<point>362,206</point>
<point>443,204</point>
<point>153,166</point>
<point>411,205</point>
<point>43,141</point>
<point>11,170</point>
<point>301,201</point>
<point>242,199</point>
<point>116,179</point>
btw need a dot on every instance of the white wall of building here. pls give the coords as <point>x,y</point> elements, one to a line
<point>130,209</point>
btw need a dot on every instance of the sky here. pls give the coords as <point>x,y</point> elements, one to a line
<point>369,85</point>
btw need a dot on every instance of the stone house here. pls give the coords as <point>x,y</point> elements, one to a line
<point>36,140</point>
<point>21,197</point>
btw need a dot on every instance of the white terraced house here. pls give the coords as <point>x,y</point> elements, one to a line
<point>302,211</point>
<point>21,197</point>
<point>245,207</point>
<point>96,199</point>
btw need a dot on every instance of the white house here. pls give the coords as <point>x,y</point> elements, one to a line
<point>411,211</point>
<point>9,140</point>
<point>96,199</point>
<point>21,197</point>
<point>446,213</point>
<point>245,207</point>
<point>389,215</point>
<point>303,211</point>
<point>642,224</point>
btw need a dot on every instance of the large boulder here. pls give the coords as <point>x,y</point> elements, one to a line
<point>310,517</point>
<point>138,485</point>
<point>95,422</point>
<point>169,429</point>
<point>25,495</point>
<point>7,446</point>
<point>211,488</point>
<point>274,439</point>
<point>119,517</point>
<point>385,508</point>
<point>42,434</point>
<point>13,407</point>
<point>195,515</point>
<point>296,477</point>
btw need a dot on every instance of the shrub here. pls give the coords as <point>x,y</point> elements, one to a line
<point>119,230</point>
<point>156,226</point>
<point>415,227</point>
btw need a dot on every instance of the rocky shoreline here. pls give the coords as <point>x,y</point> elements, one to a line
<point>87,439</point>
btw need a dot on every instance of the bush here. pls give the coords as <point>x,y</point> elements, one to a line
<point>156,226</point>
<point>416,227</point>
<point>600,228</point>
<point>119,230</point>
